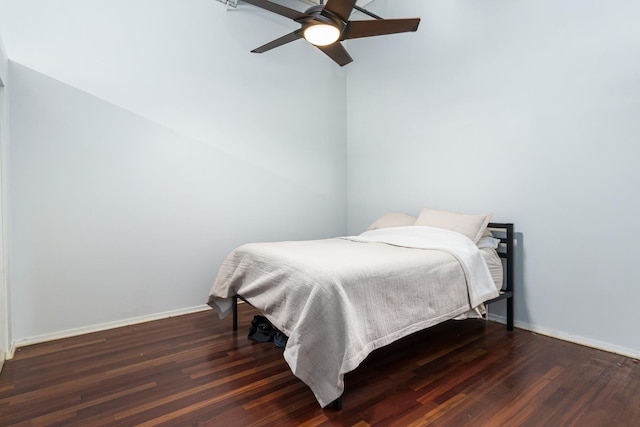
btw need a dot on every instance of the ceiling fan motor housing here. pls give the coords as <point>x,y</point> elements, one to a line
<point>322,16</point>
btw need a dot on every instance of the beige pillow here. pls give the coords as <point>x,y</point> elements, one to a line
<point>471,226</point>
<point>393,219</point>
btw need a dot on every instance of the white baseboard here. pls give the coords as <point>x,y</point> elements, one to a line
<point>12,351</point>
<point>101,327</point>
<point>634,354</point>
<point>587,342</point>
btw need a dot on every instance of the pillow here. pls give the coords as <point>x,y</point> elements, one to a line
<point>393,219</point>
<point>488,242</point>
<point>471,226</point>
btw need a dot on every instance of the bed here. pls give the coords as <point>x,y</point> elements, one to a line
<point>339,299</point>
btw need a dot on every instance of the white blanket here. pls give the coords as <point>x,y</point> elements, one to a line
<point>339,299</point>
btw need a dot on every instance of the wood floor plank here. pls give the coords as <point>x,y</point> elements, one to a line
<point>194,370</point>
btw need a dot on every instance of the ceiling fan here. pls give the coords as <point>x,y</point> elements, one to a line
<point>325,26</point>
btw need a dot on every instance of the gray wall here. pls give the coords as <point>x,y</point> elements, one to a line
<point>146,143</point>
<point>528,109</point>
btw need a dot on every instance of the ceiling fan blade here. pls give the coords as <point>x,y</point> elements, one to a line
<point>337,52</point>
<point>297,34</point>
<point>342,8</point>
<point>379,27</point>
<point>276,8</point>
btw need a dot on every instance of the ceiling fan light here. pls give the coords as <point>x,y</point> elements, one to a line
<point>321,34</point>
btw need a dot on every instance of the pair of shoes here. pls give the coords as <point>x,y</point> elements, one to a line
<point>261,329</point>
<point>280,339</point>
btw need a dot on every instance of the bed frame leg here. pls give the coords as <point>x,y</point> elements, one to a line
<point>337,404</point>
<point>235,312</point>
<point>510,314</point>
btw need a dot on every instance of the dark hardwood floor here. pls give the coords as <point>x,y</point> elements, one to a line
<point>194,370</point>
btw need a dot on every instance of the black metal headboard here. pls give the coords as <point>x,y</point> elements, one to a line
<point>504,232</point>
